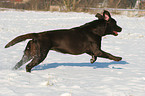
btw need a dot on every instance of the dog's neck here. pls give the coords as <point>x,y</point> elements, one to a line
<point>92,27</point>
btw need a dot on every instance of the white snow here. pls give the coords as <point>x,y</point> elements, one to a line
<point>69,75</point>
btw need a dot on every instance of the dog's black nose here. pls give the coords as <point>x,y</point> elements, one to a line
<point>120,29</point>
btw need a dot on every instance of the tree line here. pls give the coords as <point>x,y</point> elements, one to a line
<point>66,5</point>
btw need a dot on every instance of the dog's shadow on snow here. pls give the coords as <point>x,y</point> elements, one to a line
<point>94,65</point>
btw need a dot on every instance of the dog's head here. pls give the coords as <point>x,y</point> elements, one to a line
<point>111,26</point>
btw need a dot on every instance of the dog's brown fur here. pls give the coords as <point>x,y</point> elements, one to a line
<point>84,39</point>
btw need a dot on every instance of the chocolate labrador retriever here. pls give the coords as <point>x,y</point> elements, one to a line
<point>83,39</point>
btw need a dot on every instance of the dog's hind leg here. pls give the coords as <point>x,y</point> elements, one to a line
<point>21,62</point>
<point>27,55</point>
<point>42,49</point>
<point>36,60</point>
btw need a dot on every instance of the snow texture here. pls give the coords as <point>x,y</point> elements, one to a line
<point>71,75</point>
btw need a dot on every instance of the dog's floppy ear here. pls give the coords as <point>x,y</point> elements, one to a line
<point>106,15</point>
<point>99,16</point>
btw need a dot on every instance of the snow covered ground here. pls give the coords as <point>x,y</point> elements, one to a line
<point>68,75</point>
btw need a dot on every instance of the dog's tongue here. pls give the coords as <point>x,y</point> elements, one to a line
<point>115,33</point>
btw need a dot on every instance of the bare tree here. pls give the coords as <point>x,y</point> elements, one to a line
<point>70,5</point>
<point>117,4</point>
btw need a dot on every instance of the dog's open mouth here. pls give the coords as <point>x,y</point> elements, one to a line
<point>115,33</point>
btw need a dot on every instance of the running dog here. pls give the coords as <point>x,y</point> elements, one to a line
<point>83,39</point>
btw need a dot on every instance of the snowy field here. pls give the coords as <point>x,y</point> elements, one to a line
<point>69,75</point>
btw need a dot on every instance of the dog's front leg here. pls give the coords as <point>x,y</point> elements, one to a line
<point>94,58</point>
<point>103,54</point>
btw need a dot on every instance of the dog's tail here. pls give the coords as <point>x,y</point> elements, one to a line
<point>21,38</point>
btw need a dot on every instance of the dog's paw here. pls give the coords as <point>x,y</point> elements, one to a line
<point>28,69</point>
<point>92,61</point>
<point>118,59</point>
